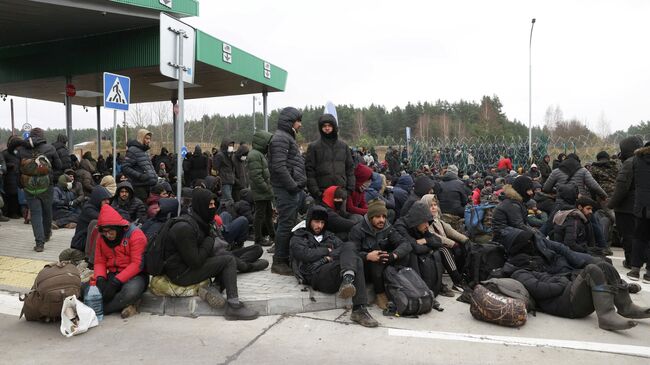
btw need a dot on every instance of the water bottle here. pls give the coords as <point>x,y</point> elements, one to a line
<point>95,301</point>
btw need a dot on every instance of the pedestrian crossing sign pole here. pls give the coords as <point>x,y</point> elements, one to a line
<point>117,93</point>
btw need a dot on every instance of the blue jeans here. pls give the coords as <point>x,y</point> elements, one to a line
<point>287,205</point>
<point>40,207</point>
<point>235,230</point>
<point>226,192</point>
<point>601,241</point>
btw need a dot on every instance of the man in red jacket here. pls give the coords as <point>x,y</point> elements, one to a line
<point>118,259</point>
<point>357,200</point>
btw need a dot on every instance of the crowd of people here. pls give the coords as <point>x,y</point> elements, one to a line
<point>337,217</point>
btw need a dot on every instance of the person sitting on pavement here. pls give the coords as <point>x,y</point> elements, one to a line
<point>423,185</point>
<point>571,227</point>
<point>536,218</point>
<point>157,192</point>
<point>126,200</point>
<point>118,263</point>
<point>569,284</point>
<point>356,203</point>
<point>64,211</point>
<point>401,192</point>
<point>453,193</point>
<point>109,183</point>
<point>379,244</point>
<point>322,260</point>
<point>339,221</point>
<point>511,212</point>
<point>190,258</point>
<point>90,211</point>
<point>377,190</point>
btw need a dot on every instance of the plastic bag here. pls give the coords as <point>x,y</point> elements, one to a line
<point>76,317</point>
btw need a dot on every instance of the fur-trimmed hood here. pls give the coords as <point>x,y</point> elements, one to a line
<point>643,152</point>
<point>511,193</point>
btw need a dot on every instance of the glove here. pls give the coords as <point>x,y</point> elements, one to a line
<point>100,283</point>
<point>111,288</point>
<point>391,259</point>
<point>315,265</point>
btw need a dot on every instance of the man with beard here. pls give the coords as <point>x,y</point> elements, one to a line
<point>138,166</point>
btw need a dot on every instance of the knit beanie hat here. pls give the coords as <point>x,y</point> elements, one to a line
<point>453,169</point>
<point>521,244</point>
<point>377,207</point>
<point>531,204</point>
<point>602,155</point>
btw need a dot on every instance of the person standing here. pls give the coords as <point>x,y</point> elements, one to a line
<point>61,147</point>
<point>288,178</point>
<point>38,183</point>
<point>641,246</point>
<point>329,161</point>
<point>223,162</point>
<point>260,180</point>
<point>137,165</point>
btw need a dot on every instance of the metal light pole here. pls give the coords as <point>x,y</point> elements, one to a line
<point>254,126</point>
<point>530,94</point>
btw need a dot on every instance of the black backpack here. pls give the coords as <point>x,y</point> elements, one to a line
<point>431,270</point>
<point>407,291</point>
<point>154,256</point>
<point>481,261</point>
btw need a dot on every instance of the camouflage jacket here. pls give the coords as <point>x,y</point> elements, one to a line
<point>605,172</point>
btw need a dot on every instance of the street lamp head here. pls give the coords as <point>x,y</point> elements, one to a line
<point>533,21</point>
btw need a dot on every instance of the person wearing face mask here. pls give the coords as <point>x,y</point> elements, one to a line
<point>241,174</point>
<point>190,258</point>
<point>356,203</point>
<point>329,160</point>
<point>39,202</point>
<point>339,221</point>
<point>118,262</point>
<point>512,212</point>
<point>225,165</point>
<point>64,211</point>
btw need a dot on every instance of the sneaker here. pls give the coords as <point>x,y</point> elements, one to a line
<point>39,247</point>
<point>239,312</point>
<point>264,243</point>
<point>212,295</point>
<point>646,277</point>
<point>634,274</point>
<point>362,317</point>
<point>129,311</point>
<point>347,289</point>
<point>446,292</point>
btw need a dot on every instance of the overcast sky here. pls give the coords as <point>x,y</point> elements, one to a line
<point>589,57</point>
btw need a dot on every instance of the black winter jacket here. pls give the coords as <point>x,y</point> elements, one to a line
<point>406,226</point>
<point>241,173</point>
<point>198,165</point>
<point>188,245</point>
<point>224,164</point>
<point>39,146</point>
<point>511,212</point>
<point>642,183</point>
<point>287,165</point>
<point>550,292</point>
<point>306,250</point>
<point>64,155</point>
<point>89,212</point>
<point>134,207</point>
<point>574,230</point>
<point>138,166</point>
<point>452,195</point>
<point>12,162</point>
<point>367,239</point>
<point>328,162</point>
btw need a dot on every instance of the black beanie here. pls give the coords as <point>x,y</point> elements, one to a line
<point>521,185</point>
<point>602,155</point>
<point>521,243</point>
<point>340,193</point>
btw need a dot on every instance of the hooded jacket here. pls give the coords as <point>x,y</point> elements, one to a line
<point>224,164</point>
<point>12,162</point>
<point>401,191</point>
<point>89,212</point>
<point>198,165</point>
<point>374,191</point>
<point>367,239</point>
<point>63,153</point>
<point>622,200</point>
<point>407,228</point>
<point>544,169</point>
<point>36,145</point>
<point>306,250</point>
<point>328,161</point>
<point>423,185</point>
<point>137,163</point>
<point>135,208</point>
<point>286,164</point>
<point>125,258</point>
<point>357,200</point>
<point>84,175</point>
<point>453,195</point>
<point>605,172</point>
<point>338,221</point>
<point>642,183</point>
<point>258,167</point>
<point>168,210</point>
<point>579,176</point>
<point>572,228</point>
<point>62,195</point>
<point>511,212</point>
<point>241,173</point>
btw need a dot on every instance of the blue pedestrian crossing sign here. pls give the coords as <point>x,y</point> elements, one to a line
<point>116,91</point>
<point>183,151</point>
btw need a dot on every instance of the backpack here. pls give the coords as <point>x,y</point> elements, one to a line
<point>510,288</point>
<point>478,219</point>
<point>35,174</point>
<point>55,282</point>
<point>481,261</point>
<point>431,269</point>
<point>154,256</point>
<point>407,291</point>
<point>495,308</point>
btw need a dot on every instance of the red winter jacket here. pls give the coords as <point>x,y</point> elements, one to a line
<point>357,200</point>
<point>504,163</point>
<point>126,257</point>
<point>476,196</point>
<point>328,196</point>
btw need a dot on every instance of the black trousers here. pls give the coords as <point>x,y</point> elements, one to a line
<point>327,278</point>
<point>641,245</point>
<point>222,267</point>
<point>625,224</point>
<point>592,275</point>
<point>375,272</point>
<point>263,220</point>
<point>245,256</point>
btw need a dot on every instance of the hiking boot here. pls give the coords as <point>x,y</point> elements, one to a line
<point>129,311</point>
<point>54,226</point>
<point>362,317</point>
<point>39,247</point>
<point>445,291</point>
<point>608,319</point>
<point>281,267</point>
<point>347,289</point>
<point>239,312</point>
<point>646,277</point>
<point>264,243</point>
<point>381,300</point>
<point>633,274</point>
<point>626,265</point>
<point>258,265</point>
<point>633,288</point>
<point>626,306</point>
<point>212,296</point>
<point>71,225</point>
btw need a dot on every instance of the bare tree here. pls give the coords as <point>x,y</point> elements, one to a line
<point>602,126</point>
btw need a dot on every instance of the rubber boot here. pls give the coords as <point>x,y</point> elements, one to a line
<point>608,319</point>
<point>626,306</point>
